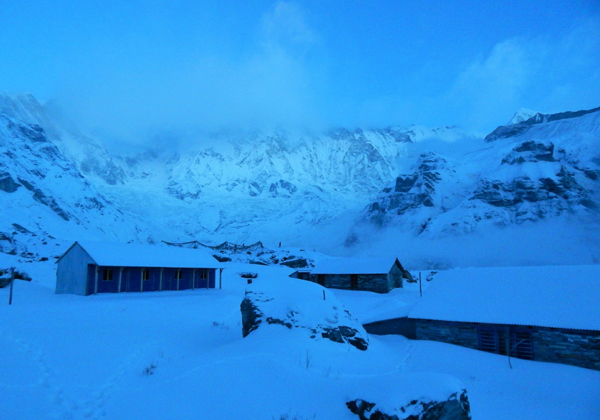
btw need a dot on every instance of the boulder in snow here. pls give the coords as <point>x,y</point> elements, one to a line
<point>421,396</point>
<point>298,304</point>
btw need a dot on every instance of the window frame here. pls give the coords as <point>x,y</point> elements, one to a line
<point>107,274</point>
<point>492,339</point>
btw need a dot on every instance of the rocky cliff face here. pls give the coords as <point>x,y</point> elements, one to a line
<point>43,193</point>
<point>86,153</point>
<point>544,167</point>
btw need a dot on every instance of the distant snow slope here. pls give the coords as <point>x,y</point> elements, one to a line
<point>313,189</point>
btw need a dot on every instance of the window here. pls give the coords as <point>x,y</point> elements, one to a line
<point>146,274</point>
<point>354,281</point>
<point>107,274</point>
<point>203,274</point>
<point>178,274</point>
<point>321,279</point>
<point>493,339</point>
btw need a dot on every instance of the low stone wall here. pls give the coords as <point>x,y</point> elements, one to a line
<point>398,326</point>
<point>459,333</point>
<point>571,347</point>
<point>369,282</point>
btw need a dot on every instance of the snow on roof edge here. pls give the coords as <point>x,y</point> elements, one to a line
<point>143,255</point>
<point>496,323</point>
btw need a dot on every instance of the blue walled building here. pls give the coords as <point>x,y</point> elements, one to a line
<point>88,268</point>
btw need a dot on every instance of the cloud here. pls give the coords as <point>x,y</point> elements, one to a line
<point>547,73</point>
<point>134,92</point>
<point>285,27</point>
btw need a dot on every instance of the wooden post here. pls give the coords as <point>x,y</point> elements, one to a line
<point>96,281</point>
<point>120,278</point>
<point>220,274</point>
<point>160,285</point>
<point>178,273</point>
<point>12,281</point>
<point>141,280</point>
<point>194,279</point>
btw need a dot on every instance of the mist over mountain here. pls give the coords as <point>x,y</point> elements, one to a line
<point>526,194</point>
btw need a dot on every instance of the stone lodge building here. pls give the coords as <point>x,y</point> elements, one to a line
<point>370,274</point>
<point>549,314</point>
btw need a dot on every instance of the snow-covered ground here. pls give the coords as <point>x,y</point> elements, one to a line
<point>181,355</point>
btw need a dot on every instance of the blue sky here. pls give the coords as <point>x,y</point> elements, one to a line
<point>134,67</point>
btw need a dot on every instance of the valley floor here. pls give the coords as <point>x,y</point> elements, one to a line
<point>181,355</point>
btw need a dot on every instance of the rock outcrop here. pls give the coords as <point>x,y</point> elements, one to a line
<point>298,304</point>
<point>545,166</point>
<point>456,407</point>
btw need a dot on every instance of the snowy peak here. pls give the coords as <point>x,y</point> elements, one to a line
<point>522,126</point>
<point>521,115</point>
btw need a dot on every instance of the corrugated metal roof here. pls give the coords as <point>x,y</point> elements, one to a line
<point>136,255</point>
<point>551,296</point>
<point>354,266</point>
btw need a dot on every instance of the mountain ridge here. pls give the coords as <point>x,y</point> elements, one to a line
<point>306,189</point>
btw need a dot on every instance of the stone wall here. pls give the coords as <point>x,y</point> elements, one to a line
<point>398,326</point>
<point>370,282</point>
<point>571,347</point>
<point>394,278</point>
<point>460,333</point>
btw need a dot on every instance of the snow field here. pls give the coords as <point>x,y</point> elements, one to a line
<point>181,355</point>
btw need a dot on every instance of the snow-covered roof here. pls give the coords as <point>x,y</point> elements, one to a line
<point>550,296</point>
<point>136,255</point>
<point>354,266</point>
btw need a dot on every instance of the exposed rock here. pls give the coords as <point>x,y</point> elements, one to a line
<point>456,407</point>
<point>282,188</point>
<point>530,151</point>
<point>302,305</point>
<point>7,183</point>
<point>343,334</point>
<point>526,190</point>
<point>40,197</point>
<point>8,245</point>
<point>295,263</point>
<point>409,191</point>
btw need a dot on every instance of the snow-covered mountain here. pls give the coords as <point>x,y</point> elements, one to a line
<point>274,185</point>
<point>44,196</point>
<point>532,170</point>
<point>309,189</point>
